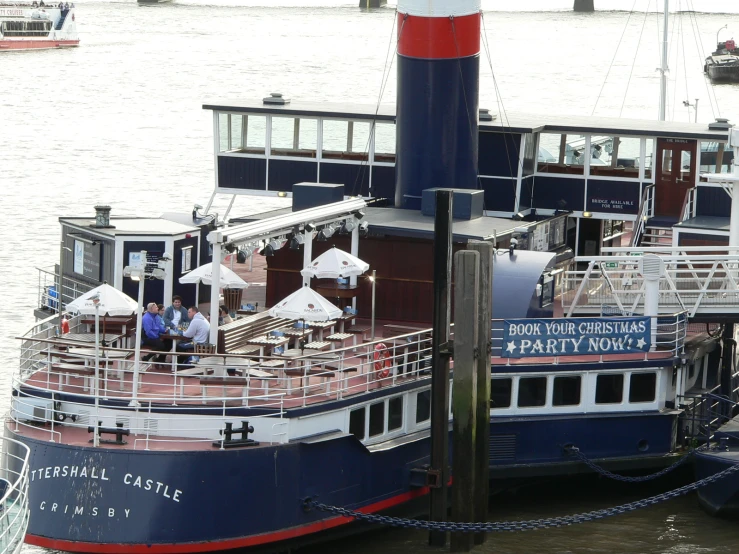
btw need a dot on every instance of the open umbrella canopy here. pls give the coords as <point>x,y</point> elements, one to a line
<point>112,302</point>
<point>306,304</point>
<point>204,274</point>
<point>335,263</point>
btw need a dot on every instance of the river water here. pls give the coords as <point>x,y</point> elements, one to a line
<point>119,121</point>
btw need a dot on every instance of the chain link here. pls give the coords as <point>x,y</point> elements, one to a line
<point>604,472</point>
<point>490,527</point>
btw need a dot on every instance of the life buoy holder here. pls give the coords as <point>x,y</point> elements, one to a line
<point>381,356</point>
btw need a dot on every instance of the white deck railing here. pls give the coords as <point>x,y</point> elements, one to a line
<point>14,510</point>
<point>701,281</point>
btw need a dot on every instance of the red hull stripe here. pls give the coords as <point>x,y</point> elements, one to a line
<point>438,37</point>
<point>191,548</point>
<point>35,44</point>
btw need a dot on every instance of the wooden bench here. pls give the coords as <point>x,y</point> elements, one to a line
<point>340,338</point>
<point>233,337</point>
<point>85,372</point>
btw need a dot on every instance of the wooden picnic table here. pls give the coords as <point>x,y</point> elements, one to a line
<point>267,341</point>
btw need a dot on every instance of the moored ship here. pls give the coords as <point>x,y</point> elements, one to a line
<point>36,25</point>
<point>222,453</point>
<point>722,66</point>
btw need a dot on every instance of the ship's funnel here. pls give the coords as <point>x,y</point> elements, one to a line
<point>437,104</point>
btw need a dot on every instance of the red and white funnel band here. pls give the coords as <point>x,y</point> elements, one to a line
<point>438,29</point>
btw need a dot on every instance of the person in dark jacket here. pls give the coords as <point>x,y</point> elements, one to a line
<point>176,314</point>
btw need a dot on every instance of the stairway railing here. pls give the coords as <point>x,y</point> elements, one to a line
<point>646,211</point>
<point>689,204</point>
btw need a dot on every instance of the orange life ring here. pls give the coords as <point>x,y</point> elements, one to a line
<point>381,356</point>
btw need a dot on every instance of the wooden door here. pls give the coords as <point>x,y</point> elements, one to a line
<point>675,174</point>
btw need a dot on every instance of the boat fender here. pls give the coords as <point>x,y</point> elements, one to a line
<point>381,356</point>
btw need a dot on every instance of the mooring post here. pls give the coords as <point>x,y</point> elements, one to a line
<point>439,470</point>
<point>464,401</point>
<point>584,6</point>
<point>482,432</point>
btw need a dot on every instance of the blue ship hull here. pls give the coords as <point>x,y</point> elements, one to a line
<point>107,500</point>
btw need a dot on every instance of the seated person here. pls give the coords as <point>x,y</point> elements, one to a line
<point>198,331</point>
<point>223,316</point>
<point>175,314</point>
<point>160,315</point>
<point>151,330</point>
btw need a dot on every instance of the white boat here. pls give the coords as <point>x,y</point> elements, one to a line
<point>37,26</point>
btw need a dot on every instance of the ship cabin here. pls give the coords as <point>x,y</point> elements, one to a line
<point>607,173</point>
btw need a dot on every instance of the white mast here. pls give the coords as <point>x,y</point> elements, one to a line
<point>664,69</point>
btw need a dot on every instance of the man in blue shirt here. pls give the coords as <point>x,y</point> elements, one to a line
<point>152,328</point>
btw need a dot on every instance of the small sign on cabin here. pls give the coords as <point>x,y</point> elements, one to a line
<point>583,336</point>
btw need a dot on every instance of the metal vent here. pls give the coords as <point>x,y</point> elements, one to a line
<point>276,98</point>
<point>485,115</point>
<point>721,124</point>
<point>652,267</point>
<point>502,447</point>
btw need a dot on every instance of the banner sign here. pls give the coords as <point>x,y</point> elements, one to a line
<point>582,336</point>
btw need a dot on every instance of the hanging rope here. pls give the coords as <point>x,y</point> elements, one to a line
<point>502,111</point>
<point>628,83</point>
<point>712,98</point>
<point>364,166</point>
<point>614,57</point>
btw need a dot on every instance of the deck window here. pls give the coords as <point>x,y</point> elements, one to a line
<point>423,406</point>
<point>561,154</point>
<point>395,413</point>
<point>356,423</point>
<point>377,419</point>
<point>500,393</point>
<point>345,140</point>
<point>609,389</point>
<point>643,387</point>
<point>615,156</point>
<point>295,137</point>
<point>385,142</point>
<point>241,133</point>
<point>532,392</point>
<point>566,391</point>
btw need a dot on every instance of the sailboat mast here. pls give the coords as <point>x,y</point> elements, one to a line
<point>664,69</point>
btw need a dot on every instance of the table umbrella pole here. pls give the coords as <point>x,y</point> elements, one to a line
<point>96,437</point>
<point>137,348</point>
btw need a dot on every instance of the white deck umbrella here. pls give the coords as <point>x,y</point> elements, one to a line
<point>105,300</point>
<point>204,274</point>
<point>335,263</point>
<point>306,304</point>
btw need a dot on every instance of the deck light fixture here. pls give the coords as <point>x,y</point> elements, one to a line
<point>296,241</point>
<point>587,214</point>
<point>347,227</point>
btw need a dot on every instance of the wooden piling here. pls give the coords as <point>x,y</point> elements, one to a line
<point>438,476</point>
<point>482,413</point>
<point>464,400</point>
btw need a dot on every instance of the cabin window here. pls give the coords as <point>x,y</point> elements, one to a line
<point>609,389</point>
<point>566,391</point>
<point>292,136</point>
<point>377,419</point>
<point>532,392</point>
<point>615,156</point>
<point>242,133</point>
<point>648,157</point>
<point>643,387</point>
<point>395,413</point>
<point>715,157</point>
<point>500,393</point>
<point>345,140</point>
<point>186,259</point>
<point>385,142</point>
<point>356,423</point>
<point>423,406</point>
<point>561,154</point>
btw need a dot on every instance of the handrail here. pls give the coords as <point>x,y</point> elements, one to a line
<point>646,211</point>
<point>689,204</point>
<point>14,509</point>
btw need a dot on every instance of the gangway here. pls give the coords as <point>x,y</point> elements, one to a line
<point>703,281</point>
